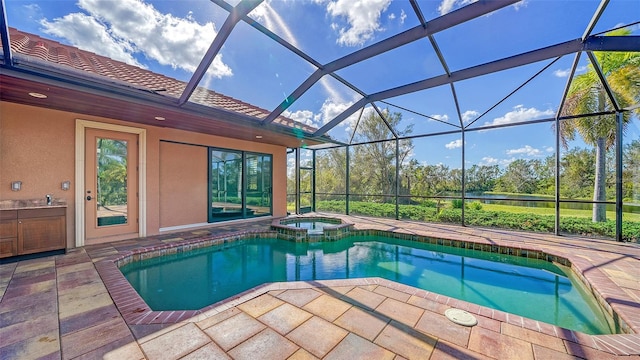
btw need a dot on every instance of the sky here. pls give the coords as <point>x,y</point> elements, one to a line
<point>170,37</point>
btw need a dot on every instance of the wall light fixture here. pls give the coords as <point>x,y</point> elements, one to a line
<point>16,185</point>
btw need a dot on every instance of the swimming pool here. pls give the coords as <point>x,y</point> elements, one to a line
<point>532,288</point>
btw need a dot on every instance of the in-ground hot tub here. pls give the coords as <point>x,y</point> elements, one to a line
<point>310,228</point>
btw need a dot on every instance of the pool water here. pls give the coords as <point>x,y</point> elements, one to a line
<point>532,288</point>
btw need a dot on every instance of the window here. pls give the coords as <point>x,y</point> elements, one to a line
<point>240,184</point>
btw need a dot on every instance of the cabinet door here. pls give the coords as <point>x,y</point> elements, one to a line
<point>41,234</point>
<point>8,247</point>
<point>8,233</point>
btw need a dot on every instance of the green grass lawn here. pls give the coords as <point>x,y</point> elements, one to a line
<point>551,211</point>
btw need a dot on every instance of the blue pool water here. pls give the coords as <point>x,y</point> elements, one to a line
<point>532,288</point>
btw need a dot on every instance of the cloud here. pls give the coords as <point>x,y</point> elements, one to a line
<point>548,149</point>
<point>520,114</point>
<point>469,115</point>
<point>403,16</point>
<point>301,116</point>
<point>443,117</point>
<point>125,29</point>
<point>454,144</point>
<point>392,16</point>
<point>328,112</point>
<point>563,73</point>
<point>362,17</point>
<point>447,6</point>
<point>488,161</point>
<point>525,150</point>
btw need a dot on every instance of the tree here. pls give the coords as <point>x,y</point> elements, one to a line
<point>586,95</point>
<point>520,177</point>
<point>373,165</point>
<point>631,171</point>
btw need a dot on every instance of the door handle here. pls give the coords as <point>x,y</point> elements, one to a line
<point>89,198</point>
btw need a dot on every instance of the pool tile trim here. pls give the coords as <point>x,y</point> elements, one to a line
<point>135,311</point>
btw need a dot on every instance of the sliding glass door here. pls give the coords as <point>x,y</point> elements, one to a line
<point>240,184</point>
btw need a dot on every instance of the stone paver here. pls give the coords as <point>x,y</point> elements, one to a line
<point>175,344</point>
<point>362,322</point>
<point>355,347</point>
<point>260,305</point>
<point>299,297</point>
<point>317,336</point>
<point>327,307</point>
<point>58,307</point>
<point>284,318</point>
<point>400,311</point>
<point>406,341</point>
<point>234,330</point>
<point>267,344</point>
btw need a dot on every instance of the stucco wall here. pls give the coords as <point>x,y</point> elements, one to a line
<point>183,175</point>
<point>37,147</point>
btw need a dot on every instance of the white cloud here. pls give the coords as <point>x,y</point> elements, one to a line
<point>392,16</point>
<point>301,116</point>
<point>328,112</point>
<point>362,16</point>
<point>126,28</point>
<point>469,115</point>
<point>548,149</point>
<point>562,73</point>
<point>520,114</point>
<point>443,117</point>
<point>488,161</point>
<point>525,150</point>
<point>447,6</point>
<point>519,5</point>
<point>403,16</point>
<point>454,144</point>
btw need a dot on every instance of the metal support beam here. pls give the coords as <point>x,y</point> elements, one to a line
<point>603,80</point>
<point>347,179</point>
<point>557,164</point>
<point>595,18</point>
<point>386,122</point>
<point>438,24</point>
<point>297,180</point>
<point>313,181</point>
<point>619,165</point>
<point>397,178</point>
<point>464,180</point>
<point>242,9</point>
<point>594,43</point>
<point>4,33</point>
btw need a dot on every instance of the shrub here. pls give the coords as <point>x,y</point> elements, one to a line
<point>475,216</point>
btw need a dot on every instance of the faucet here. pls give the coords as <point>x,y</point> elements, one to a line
<point>48,199</point>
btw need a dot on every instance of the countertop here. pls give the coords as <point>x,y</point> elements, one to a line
<point>31,204</point>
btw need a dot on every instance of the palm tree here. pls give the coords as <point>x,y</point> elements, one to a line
<point>587,95</point>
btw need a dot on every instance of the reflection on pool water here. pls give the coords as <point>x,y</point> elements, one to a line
<point>528,287</point>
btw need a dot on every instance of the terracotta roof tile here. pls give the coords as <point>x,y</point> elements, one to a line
<point>61,54</point>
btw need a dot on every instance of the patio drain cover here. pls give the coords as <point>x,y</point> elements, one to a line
<point>460,317</point>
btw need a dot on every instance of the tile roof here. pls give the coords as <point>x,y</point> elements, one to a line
<point>66,55</point>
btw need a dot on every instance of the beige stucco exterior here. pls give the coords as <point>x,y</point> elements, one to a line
<point>37,147</point>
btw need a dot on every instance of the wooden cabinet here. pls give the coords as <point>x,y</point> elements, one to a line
<point>8,233</point>
<point>28,231</point>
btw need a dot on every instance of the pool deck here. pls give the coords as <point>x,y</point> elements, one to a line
<point>59,307</point>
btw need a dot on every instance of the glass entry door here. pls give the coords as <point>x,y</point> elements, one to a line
<point>111,188</point>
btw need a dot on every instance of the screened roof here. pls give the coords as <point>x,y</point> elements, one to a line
<point>303,72</point>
